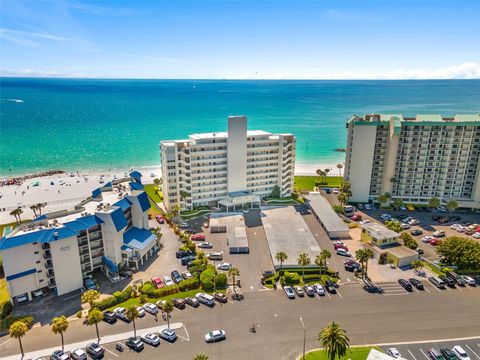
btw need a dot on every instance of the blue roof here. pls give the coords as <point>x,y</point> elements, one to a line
<point>41,217</point>
<point>96,193</point>
<point>42,236</point>
<point>118,219</point>
<point>136,175</point>
<point>124,204</point>
<point>138,238</point>
<point>144,202</point>
<point>107,185</point>
<point>83,223</point>
<point>110,264</point>
<point>136,186</point>
<point>21,274</point>
<point>125,248</point>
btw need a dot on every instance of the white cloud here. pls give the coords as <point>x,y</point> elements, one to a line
<point>38,73</point>
<point>29,37</point>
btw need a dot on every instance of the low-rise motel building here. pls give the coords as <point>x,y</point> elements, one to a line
<point>228,169</point>
<point>56,251</point>
<point>414,158</point>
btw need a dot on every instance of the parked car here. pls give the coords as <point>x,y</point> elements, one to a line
<point>183,253</point>
<point>330,286</point>
<point>289,292</point>
<point>356,217</point>
<point>335,190</point>
<point>140,311</point>
<point>439,283</point>
<point>416,232</point>
<point>176,276</point>
<point>135,344</point>
<point>59,355</point>
<point>187,275</point>
<point>442,209</point>
<point>95,350</point>
<point>168,335</point>
<point>157,282</point>
<point>454,218</point>
<point>220,297</point>
<point>340,246</point>
<point>215,256</point>
<point>160,304</point>
<point>417,283</point>
<point>160,219</point>
<point>205,245</point>
<point>385,217</point>
<point>351,265</point>
<point>185,260</point>
<point>179,303</point>
<point>206,299</point>
<point>78,354</point>
<point>404,226</point>
<point>309,290</point>
<point>469,280</point>
<point>193,302</point>
<point>89,284</point>
<point>439,233</point>
<point>319,289</point>
<point>393,352</point>
<point>151,308</point>
<point>427,239</point>
<point>435,354</point>
<point>460,353</point>
<point>368,207</point>
<point>448,354</point>
<point>183,225</point>
<point>457,278</point>
<point>150,339</point>
<point>299,291</point>
<point>420,251</point>
<point>109,317</point>
<point>435,242</point>
<point>215,336</point>
<point>447,280</point>
<point>443,220</point>
<point>168,281</point>
<point>224,266</point>
<point>405,284</point>
<point>198,237</point>
<point>120,313</point>
<point>343,252</point>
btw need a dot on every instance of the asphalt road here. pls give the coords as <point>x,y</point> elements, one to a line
<point>367,318</point>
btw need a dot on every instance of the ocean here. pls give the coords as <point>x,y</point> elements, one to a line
<point>75,124</point>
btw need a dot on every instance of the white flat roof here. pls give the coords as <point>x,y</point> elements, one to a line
<point>235,224</point>
<point>329,218</point>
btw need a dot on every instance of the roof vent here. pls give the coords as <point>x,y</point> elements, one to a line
<point>55,235</point>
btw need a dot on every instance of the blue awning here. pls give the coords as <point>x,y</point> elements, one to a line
<point>138,239</point>
<point>110,264</point>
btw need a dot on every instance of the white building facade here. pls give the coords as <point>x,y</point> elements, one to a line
<point>414,158</point>
<point>56,251</point>
<point>233,167</point>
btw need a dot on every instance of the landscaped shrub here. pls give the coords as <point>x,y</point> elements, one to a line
<point>9,320</point>
<point>207,276</point>
<point>189,284</point>
<point>221,281</point>
<point>6,309</point>
<point>291,278</point>
<point>117,298</point>
<point>147,286</point>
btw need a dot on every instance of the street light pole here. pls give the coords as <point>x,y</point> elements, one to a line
<point>304,337</point>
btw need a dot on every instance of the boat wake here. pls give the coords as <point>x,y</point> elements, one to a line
<point>13,100</point>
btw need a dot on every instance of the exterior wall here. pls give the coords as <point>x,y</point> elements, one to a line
<point>139,218</point>
<point>237,153</point>
<point>66,265</point>
<point>390,160</point>
<point>112,239</point>
<point>359,158</point>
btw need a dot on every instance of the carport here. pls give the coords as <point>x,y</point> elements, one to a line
<point>328,219</point>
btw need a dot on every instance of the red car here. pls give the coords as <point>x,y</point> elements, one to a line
<point>160,219</point>
<point>198,237</point>
<point>340,246</point>
<point>435,242</point>
<point>356,217</point>
<point>158,282</point>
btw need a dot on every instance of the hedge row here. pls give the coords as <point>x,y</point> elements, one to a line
<point>149,289</point>
<point>9,320</point>
<point>117,298</point>
<point>6,309</point>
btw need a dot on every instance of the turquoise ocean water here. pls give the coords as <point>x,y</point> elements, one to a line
<point>89,123</point>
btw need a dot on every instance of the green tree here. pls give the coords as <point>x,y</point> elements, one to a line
<point>398,203</point>
<point>183,197</point>
<point>281,257</point>
<point>303,260</point>
<point>59,326</point>
<point>34,208</point>
<point>17,214</point>
<point>382,199</point>
<point>40,206</point>
<point>363,255</point>
<point>132,313</point>
<point>335,341</point>
<point>339,167</point>
<point>418,265</point>
<point>325,255</point>
<point>90,296</point>
<point>167,309</point>
<point>18,330</point>
<point>275,192</point>
<point>393,225</point>
<point>233,272</point>
<point>343,198</point>
<point>321,174</point>
<point>408,240</point>
<point>200,356</point>
<point>452,205</point>
<point>461,251</point>
<point>434,202</point>
<point>345,188</point>
<point>94,317</point>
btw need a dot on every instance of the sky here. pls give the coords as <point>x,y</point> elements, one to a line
<point>246,39</point>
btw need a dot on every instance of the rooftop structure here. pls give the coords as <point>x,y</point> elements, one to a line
<point>379,232</point>
<point>330,221</point>
<point>414,158</point>
<point>235,230</point>
<point>209,168</point>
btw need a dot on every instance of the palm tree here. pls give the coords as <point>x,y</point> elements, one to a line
<point>132,314</point>
<point>325,254</point>
<point>452,205</point>
<point>200,356</point>
<point>362,255</point>
<point>34,208</point>
<point>281,256</point>
<point>340,167</point>
<point>59,326</point>
<point>94,317</point>
<point>17,330</point>
<point>90,296</point>
<point>16,213</point>
<point>335,341</point>
<point>319,263</point>
<point>157,183</point>
<point>183,197</point>
<point>434,202</point>
<point>382,199</point>
<point>346,189</point>
<point>319,174</point>
<point>303,260</point>
<point>233,272</point>
<point>167,309</point>
<point>417,265</point>
<point>398,203</point>
<point>326,173</point>
<point>40,206</point>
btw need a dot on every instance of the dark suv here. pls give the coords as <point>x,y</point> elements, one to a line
<point>417,283</point>
<point>449,354</point>
<point>330,286</point>
<point>405,284</point>
<point>176,277</point>
<point>179,303</point>
<point>109,317</point>
<point>183,253</point>
<point>448,280</point>
<point>457,278</point>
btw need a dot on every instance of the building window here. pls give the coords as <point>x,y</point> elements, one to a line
<point>36,252</point>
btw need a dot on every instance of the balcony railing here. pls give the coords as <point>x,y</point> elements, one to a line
<point>47,255</point>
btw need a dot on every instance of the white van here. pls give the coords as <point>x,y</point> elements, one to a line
<point>215,256</point>
<point>205,299</point>
<point>439,283</point>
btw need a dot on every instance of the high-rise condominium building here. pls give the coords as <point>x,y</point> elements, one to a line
<point>414,158</point>
<point>227,168</point>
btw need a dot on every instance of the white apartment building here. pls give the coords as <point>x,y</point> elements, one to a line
<point>56,251</point>
<point>414,158</point>
<point>227,168</point>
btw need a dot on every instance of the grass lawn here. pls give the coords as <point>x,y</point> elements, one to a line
<point>354,353</point>
<point>3,291</point>
<point>190,214</point>
<point>282,201</point>
<point>435,269</point>
<point>151,190</point>
<point>308,182</point>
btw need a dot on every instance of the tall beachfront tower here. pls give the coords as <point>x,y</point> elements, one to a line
<point>227,169</point>
<point>414,158</point>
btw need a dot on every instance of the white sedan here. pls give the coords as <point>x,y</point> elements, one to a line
<point>469,280</point>
<point>319,289</point>
<point>167,280</point>
<point>150,308</point>
<point>224,266</point>
<point>141,311</point>
<point>151,339</point>
<point>215,335</point>
<point>394,352</point>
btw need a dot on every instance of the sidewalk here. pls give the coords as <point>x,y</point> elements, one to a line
<point>45,353</point>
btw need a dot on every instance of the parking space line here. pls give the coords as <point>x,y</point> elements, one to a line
<point>423,352</point>
<point>415,289</point>
<point>328,294</point>
<point>110,352</point>
<point>414,358</point>
<point>469,288</point>
<point>459,288</point>
<point>425,288</point>
<point>468,346</point>
<point>338,292</point>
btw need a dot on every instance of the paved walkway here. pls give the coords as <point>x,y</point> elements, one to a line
<point>104,340</point>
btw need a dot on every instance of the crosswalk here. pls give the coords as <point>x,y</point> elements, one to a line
<point>392,288</point>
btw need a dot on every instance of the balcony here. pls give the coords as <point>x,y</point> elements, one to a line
<point>48,265</point>
<point>50,274</point>
<point>51,283</point>
<point>45,246</point>
<point>47,255</point>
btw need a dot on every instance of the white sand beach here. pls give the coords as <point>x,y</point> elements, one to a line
<point>63,191</point>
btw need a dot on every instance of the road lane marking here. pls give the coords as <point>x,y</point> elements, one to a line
<point>186,332</point>
<point>414,358</point>
<point>468,346</point>
<point>424,354</point>
<point>110,352</point>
